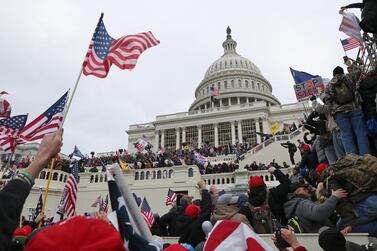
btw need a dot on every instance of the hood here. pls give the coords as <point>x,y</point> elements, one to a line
<point>291,205</point>
<point>224,212</point>
<point>337,79</point>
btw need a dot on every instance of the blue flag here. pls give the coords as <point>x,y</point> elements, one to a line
<point>301,76</point>
<point>77,153</point>
<point>38,209</point>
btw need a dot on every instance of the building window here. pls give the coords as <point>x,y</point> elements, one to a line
<point>225,135</point>
<point>226,64</point>
<point>248,131</point>
<point>233,101</point>
<point>171,173</point>
<point>225,101</point>
<point>137,176</point>
<point>192,135</point>
<point>232,83</point>
<point>231,65</point>
<point>242,100</point>
<point>159,174</point>
<point>239,83</point>
<point>252,84</point>
<point>208,134</point>
<point>170,138</point>
<point>225,84</point>
<point>258,84</point>
<point>246,84</point>
<point>261,124</point>
<point>147,175</point>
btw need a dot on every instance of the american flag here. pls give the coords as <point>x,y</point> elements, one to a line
<point>350,25</point>
<point>9,130</point>
<point>47,122</point>
<point>147,213</point>
<point>104,205</point>
<point>76,152</point>
<point>70,191</point>
<point>139,147</point>
<point>123,52</point>
<point>96,202</point>
<point>350,43</point>
<point>214,91</point>
<point>5,108</point>
<point>171,197</point>
<point>200,158</point>
<point>38,209</point>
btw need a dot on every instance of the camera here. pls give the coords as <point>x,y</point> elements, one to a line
<point>280,242</point>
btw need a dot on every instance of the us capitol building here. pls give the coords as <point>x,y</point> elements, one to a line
<point>246,105</point>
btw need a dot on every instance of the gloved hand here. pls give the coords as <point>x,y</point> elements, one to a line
<point>312,98</point>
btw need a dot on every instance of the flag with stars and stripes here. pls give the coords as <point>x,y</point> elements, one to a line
<point>9,130</point>
<point>147,213</point>
<point>104,206</point>
<point>70,191</point>
<point>47,122</point>
<point>76,152</point>
<point>129,233</point>
<point>350,43</point>
<point>123,52</point>
<point>171,197</point>
<point>38,209</point>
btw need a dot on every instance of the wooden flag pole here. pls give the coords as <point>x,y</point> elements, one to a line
<point>47,188</point>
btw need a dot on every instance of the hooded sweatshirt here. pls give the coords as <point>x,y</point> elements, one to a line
<point>225,212</point>
<point>311,216</point>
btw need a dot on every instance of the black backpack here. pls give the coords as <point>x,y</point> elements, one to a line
<point>343,94</point>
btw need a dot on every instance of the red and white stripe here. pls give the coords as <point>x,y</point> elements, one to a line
<point>70,194</point>
<point>350,25</point>
<point>123,52</point>
<point>149,218</point>
<point>233,235</point>
<point>38,128</point>
<point>352,44</point>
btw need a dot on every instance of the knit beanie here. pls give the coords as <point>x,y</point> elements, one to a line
<point>321,167</point>
<point>192,211</point>
<point>256,181</point>
<point>77,233</point>
<point>338,70</point>
<point>306,147</point>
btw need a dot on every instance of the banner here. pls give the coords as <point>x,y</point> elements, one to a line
<point>305,90</point>
<point>275,128</point>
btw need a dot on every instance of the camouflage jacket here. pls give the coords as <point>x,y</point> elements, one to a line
<point>330,94</point>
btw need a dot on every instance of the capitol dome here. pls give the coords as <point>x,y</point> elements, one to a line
<point>238,80</point>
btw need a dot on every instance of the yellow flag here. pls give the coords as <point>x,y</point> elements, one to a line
<point>275,128</point>
<point>123,165</point>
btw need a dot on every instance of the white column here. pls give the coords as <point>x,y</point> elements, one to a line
<point>215,126</point>
<point>239,131</point>
<point>229,101</point>
<point>221,102</point>
<point>266,126</point>
<point>162,138</point>
<point>238,100</point>
<point>199,136</point>
<point>205,106</point>
<point>233,131</point>
<point>156,140</point>
<point>258,130</point>
<point>183,134</point>
<point>177,145</point>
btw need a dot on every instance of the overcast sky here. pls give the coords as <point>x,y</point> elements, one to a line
<point>43,44</point>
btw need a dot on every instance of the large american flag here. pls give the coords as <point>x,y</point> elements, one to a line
<point>47,122</point>
<point>350,25</point>
<point>9,130</point>
<point>147,213</point>
<point>350,43</point>
<point>171,197</point>
<point>214,91</point>
<point>70,191</point>
<point>123,52</point>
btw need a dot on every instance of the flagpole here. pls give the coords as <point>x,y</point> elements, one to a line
<point>47,188</point>
<point>71,98</point>
<point>131,204</point>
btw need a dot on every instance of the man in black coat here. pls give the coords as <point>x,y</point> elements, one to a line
<point>193,233</point>
<point>291,150</point>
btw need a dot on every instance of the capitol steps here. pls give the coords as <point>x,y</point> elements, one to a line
<point>271,149</point>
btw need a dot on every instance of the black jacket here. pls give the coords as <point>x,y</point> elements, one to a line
<point>169,222</point>
<point>278,196</point>
<point>193,233</point>
<point>12,199</point>
<point>309,160</point>
<point>368,90</point>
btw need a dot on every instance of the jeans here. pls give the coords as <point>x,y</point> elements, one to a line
<point>330,154</point>
<point>291,156</point>
<point>366,221</point>
<point>350,124</point>
<point>338,144</point>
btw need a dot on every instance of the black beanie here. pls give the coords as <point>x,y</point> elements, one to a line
<point>337,70</point>
<point>332,240</point>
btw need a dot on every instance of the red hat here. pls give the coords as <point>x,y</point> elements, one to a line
<point>23,231</point>
<point>77,233</point>
<point>321,167</point>
<point>176,247</point>
<point>192,211</point>
<point>306,148</point>
<point>256,181</point>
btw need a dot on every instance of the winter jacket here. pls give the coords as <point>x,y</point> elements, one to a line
<point>324,109</point>
<point>12,199</point>
<point>225,212</point>
<point>170,224</point>
<point>308,160</point>
<point>319,151</point>
<point>291,147</point>
<point>330,94</point>
<point>311,216</point>
<point>193,233</point>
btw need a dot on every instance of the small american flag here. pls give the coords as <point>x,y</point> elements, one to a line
<point>38,209</point>
<point>139,147</point>
<point>70,191</point>
<point>96,202</point>
<point>47,122</point>
<point>104,205</point>
<point>9,130</point>
<point>171,197</point>
<point>350,43</point>
<point>5,108</point>
<point>123,52</point>
<point>147,213</point>
<point>214,91</point>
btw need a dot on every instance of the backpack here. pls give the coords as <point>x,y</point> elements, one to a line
<point>343,94</point>
<point>261,219</point>
<point>295,225</point>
